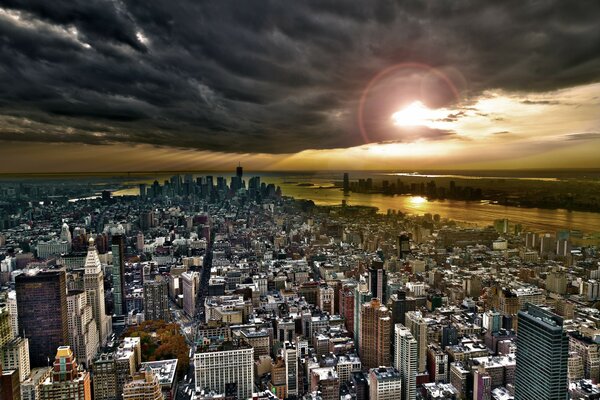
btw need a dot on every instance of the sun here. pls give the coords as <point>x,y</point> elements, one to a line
<point>415,114</point>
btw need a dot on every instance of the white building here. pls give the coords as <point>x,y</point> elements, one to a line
<point>405,360</point>
<point>216,369</point>
<point>385,384</point>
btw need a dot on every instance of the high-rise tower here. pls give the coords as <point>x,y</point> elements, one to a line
<point>93,284</point>
<point>42,309</point>
<point>542,356</point>
<point>375,337</point>
<point>405,360</point>
<point>118,274</point>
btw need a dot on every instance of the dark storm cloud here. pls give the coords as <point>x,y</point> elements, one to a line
<point>268,76</point>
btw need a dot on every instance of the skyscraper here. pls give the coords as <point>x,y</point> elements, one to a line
<point>375,337</point>
<point>83,330</point>
<point>405,360</point>
<point>378,280</point>
<point>542,356</point>
<point>291,369</point>
<point>42,309</point>
<point>67,381</point>
<point>156,299</point>
<point>418,327</point>
<point>118,274</point>
<point>93,282</point>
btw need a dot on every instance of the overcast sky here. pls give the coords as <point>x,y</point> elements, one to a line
<point>94,85</point>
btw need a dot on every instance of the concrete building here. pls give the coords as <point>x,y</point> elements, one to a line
<point>190,282</point>
<point>156,300</point>
<point>67,380</point>
<point>385,383</point>
<point>418,327</point>
<point>42,309</point>
<point>30,387</point>
<point>542,356</point>
<point>375,326</point>
<point>405,360</point>
<point>83,330</point>
<point>93,279</point>
<point>226,368</point>
<point>15,355</point>
<point>105,377</point>
<point>144,386</point>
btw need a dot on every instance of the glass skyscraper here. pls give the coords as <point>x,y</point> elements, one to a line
<point>542,356</point>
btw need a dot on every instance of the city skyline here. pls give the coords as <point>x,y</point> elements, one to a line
<point>315,86</point>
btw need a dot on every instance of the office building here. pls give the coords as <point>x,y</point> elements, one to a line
<point>290,357</point>
<point>10,387</point>
<point>418,327</point>
<point>405,360</point>
<point>144,386</point>
<point>83,330</point>
<point>6,332</point>
<point>375,336</point>
<point>542,356</point>
<point>42,310</point>
<point>118,274</point>
<point>385,384</point>
<point>361,296</point>
<point>68,381</point>
<point>156,299</point>
<point>104,381</point>
<point>326,382</point>
<point>93,281</point>
<point>190,282</point>
<point>378,280</point>
<point>229,368</point>
<point>30,388</point>
<point>15,355</point>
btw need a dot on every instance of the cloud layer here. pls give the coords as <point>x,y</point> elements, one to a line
<point>271,76</point>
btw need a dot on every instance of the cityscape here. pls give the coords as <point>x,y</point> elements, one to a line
<point>311,200</point>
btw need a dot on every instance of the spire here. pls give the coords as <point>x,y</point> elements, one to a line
<point>92,260</point>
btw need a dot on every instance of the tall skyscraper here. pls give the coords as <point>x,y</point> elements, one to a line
<point>403,245</point>
<point>418,327</point>
<point>405,360</point>
<point>118,274</point>
<point>375,326</point>
<point>378,280</point>
<point>361,296</point>
<point>67,382</point>
<point>93,283</point>
<point>42,308</point>
<point>542,356</point>
<point>226,368</point>
<point>290,356</point>
<point>156,299</point>
<point>190,282</point>
<point>83,330</point>
<point>400,305</point>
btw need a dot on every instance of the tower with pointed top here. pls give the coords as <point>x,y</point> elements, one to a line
<point>93,284</point>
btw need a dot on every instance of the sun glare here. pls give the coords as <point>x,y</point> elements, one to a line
<point>418,114</point>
